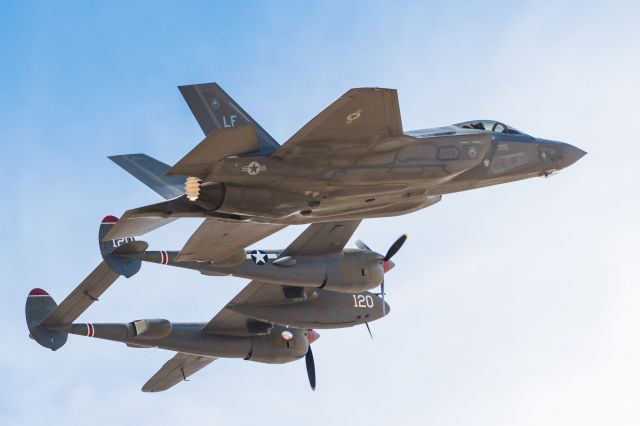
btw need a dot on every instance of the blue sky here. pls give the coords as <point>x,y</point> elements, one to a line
<point>514,304</point>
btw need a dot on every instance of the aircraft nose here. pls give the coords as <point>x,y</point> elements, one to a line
<point>570,154</point>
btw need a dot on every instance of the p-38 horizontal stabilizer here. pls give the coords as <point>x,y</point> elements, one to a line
<point>48,321</point>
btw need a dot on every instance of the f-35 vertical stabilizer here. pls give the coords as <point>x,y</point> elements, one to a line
<point>214,109</point>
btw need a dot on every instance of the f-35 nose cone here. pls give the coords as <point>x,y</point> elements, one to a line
<point>570,154</point>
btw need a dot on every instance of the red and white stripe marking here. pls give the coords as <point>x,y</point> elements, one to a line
<point>90,330</point>
<point>164,257</point>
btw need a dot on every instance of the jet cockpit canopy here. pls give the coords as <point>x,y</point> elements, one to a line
<point>489,125</point>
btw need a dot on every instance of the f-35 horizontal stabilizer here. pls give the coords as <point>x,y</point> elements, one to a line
<point>214,109</point>
<point>151,172</point>
<point>218,145</point>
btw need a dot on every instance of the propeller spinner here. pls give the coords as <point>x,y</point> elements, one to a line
<point>388,264</point>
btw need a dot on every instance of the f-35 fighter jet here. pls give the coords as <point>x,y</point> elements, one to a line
<point>352,161</point>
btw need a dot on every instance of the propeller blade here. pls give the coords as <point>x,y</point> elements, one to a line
<point>311,368</point>
<point>384,306</point>
<point>395,247</point>
<point>369,330</point>
<point>362,246</point>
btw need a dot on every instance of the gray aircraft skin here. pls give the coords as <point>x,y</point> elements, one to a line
<point>265,322</point>
<point>352,161</point>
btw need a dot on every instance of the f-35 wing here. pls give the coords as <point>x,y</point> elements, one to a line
<point>175,370</point>
<point>322,239</point>
<point>216,239</point>
<point>359,113</point>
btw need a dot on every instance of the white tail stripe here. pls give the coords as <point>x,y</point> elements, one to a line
<point>164,257</point>
<point>90,330</point>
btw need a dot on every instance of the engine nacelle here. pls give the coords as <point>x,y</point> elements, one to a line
<point>265,202</point>
<point>355,271</point>
<point>273,348</point>
<point>152,328</point>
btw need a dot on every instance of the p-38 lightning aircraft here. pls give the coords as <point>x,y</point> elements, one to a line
<point>352,161</point>
<point>271,320</point>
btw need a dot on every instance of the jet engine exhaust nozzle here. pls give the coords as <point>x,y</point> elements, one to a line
<point>192,188</point>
